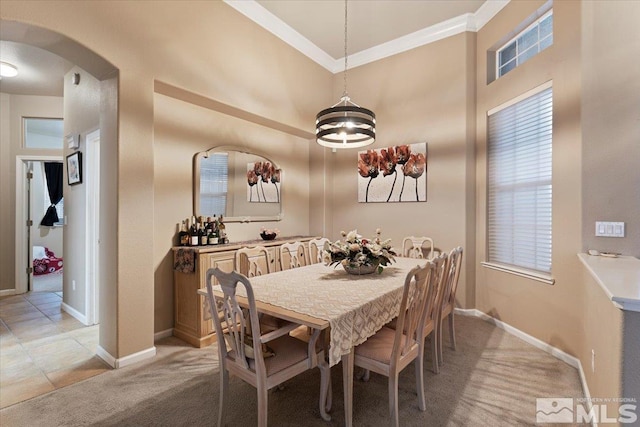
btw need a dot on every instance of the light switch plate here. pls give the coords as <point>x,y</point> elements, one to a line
<point>609,229</point>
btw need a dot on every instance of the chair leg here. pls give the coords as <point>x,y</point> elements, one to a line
<point>419,365</point>
<point>393,399</point>
<point>452,331</point>
<point>262,406</point>
<point>439,341</point>
<point>325,389</point>
<point>224,388</point>
<point>434,353</point>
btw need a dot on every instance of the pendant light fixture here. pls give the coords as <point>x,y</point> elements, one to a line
<point>345,124</point>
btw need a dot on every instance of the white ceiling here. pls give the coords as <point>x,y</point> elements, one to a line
<point>376,29</point>
<point>39,72</point>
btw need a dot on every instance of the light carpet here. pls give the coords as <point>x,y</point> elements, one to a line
<point>493,379</point>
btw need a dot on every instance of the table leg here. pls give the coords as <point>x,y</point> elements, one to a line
<point>347,380</point>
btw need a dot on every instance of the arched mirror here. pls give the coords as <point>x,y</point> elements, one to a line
<point>240,185</point>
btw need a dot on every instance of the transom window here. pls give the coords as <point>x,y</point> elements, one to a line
<point>43,133</point>
<point>528,43</point>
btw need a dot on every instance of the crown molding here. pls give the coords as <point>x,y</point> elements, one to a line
<point>468,22</point>
<point>261,16</point>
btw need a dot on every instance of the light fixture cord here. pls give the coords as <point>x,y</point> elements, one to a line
<point>345,52</point>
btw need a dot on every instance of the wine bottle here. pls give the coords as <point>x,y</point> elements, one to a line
<point>183,236</point>
<point>200,235</point>
<point>193,232</point>
<point>213,239</point>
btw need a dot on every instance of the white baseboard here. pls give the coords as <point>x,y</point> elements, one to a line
<point>163,334</point>
<point>75,313</point>
<point>7,292</point>
<point>127,360</point>
<point>555,352</point>
<point>106,356</point>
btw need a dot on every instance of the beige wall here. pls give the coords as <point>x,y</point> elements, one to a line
<point>550,313</point>
<point>610,126</point>
<point>574,314</point>
<point>13,109</point>
<point>181,130</point>
<point>82,116</point>
<point>423,95</point>
<point>222,57</point>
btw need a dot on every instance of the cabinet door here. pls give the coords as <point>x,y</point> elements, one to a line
<point>225,261</point>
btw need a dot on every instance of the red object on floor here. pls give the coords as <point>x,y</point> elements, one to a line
<point>47,265</point>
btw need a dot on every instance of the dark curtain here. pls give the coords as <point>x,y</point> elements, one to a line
<point>53,172</point>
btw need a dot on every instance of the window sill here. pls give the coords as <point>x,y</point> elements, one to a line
<point>528,274</point>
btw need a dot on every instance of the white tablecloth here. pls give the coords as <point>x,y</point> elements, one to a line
<point>355,306</point>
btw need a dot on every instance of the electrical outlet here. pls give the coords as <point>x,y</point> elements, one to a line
<point>73,285</point>
<point>593,360</point>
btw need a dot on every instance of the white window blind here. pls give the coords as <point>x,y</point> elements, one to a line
<point>519,180</point>
<point>213,184</point>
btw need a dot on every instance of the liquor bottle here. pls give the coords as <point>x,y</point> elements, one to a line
<point>193,232</point>
<point>222,232</point>
<point>183,235</point>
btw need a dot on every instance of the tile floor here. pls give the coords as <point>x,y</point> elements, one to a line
<point>42,348</point>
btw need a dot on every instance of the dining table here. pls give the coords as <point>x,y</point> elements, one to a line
<point>352,307</point>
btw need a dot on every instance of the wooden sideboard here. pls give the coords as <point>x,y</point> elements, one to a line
<point>192,321</point>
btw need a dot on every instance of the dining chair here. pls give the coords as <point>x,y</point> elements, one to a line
<point>448,298</point>
<point>414,247</point>
<point>389,351</point>
<point>315,249</point>
<point>254,261</point>
<point>286,358</point>
<point>295,254</point>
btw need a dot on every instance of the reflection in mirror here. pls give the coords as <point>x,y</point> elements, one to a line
<point>240,186</point>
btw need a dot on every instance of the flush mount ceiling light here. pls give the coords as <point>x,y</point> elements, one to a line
<point>8,70</point>
<point>345,124</point>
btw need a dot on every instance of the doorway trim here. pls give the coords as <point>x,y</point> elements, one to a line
<point>92,233</point>
<point>21,253</point>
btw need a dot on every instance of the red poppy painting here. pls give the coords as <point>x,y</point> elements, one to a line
<point>393,174</point>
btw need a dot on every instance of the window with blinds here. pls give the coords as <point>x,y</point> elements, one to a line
<point>213,184</point>
<point>519,183</point>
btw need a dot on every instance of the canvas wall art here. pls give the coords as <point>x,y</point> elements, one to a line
<point>393,174</point>
<point>263,183</point>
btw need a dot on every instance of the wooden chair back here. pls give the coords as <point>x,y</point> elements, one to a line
<point>254,261</point>
<point>232,315</point>
<point>414,247</point>
<point>248,362</point>
<point>293,255</point>
<point>450,280</point>
<point>315,249</point>
<point>418,290</point>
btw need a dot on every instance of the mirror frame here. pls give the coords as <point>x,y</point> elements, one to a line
<point>196,184</point>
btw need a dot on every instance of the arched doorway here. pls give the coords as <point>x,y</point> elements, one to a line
<point>102,80</point>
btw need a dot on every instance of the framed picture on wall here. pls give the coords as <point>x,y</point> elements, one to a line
<point>74,168</point>
<point>393,174</point>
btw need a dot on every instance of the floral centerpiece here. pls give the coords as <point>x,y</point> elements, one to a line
<point>359,255</point>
